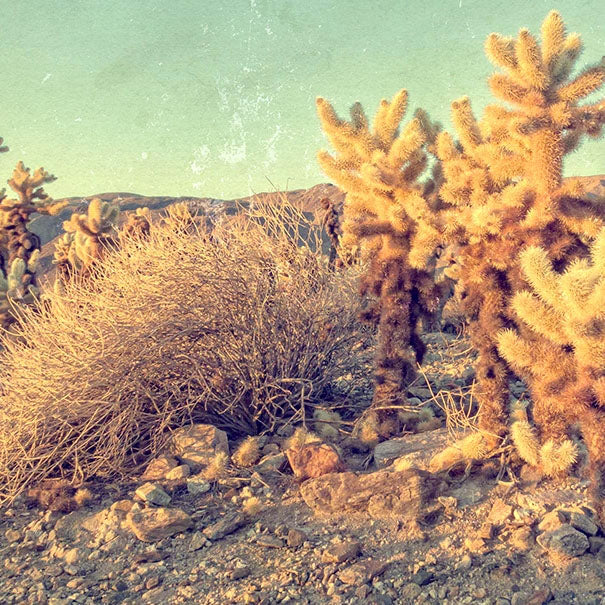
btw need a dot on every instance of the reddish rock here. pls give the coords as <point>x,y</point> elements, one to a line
<point>314,460</point>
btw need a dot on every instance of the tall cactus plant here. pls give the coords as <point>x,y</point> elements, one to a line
<point>379,167</point>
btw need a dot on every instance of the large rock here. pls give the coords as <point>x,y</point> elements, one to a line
<point>198,444</point>
<point>314,460</point>
<point>417,449</point>
<point>153,524</point>
<point>564,542</point>
<point>383,494</point>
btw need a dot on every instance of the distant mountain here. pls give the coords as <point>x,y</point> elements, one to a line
<point>48,228</point>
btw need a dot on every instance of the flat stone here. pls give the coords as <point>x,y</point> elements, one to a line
<point>271,463</point>
<point>197,485</point>
<point>341,551</point>
<point>237,573</point>
<point>416,449</point>
<point>153,494</point>
<point>227,525</point>
<point>153,524</point>
<point>270,541</point>
<point>552,520</point>
<point>313,460</point>
<point>500,512</point>
<point>382,495</point>
<point>583,523</point>
<point>296,538</point>
<point>179,472</point>
<point>198,540</point>
<point>362,572</point>
<point>564,541</point>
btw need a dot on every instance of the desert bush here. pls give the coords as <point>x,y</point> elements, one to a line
<point>244,330</point>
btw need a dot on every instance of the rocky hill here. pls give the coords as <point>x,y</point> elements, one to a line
<point>48,228</point>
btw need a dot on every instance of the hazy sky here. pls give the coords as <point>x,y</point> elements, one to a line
<point>217,97</point>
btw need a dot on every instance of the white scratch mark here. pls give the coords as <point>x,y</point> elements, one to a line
<point>46,78</point>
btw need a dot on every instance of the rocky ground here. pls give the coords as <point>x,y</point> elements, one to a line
<point>378,530</point>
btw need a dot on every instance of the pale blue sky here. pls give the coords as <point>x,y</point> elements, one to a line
<point>217,98</point>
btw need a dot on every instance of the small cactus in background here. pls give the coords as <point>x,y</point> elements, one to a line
<point>21,247</point>
<point>16,288</point>
<point>138,224</point>
<point>331,223</point>
<point>92,233</point>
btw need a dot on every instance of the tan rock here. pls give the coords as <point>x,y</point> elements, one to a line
<point>362,572</point>
<point>200,438</point>
<point>181,471</point>
<point>383,494</point>
<point>341,551</point>
<point>416,449</point>
<point>500,512</point>
<point>158,468</point>
<point>153,524</point>
<point>313,460</point>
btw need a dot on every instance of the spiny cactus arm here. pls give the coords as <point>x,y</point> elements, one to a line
<point>30,191</point>
<point>587,82</point>
<point>78,223</point>
<point>389,116</point>
<point>543,318</point>
<point>544,281</point>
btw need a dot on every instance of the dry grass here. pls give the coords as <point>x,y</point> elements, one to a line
<point>243,330</point>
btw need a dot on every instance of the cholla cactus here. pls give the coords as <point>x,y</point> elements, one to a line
<point>138,223</point>
<point>15,213</point>
<point>16,288</point>
<point>93,233</point>
<point>567,372</point>
<point>387,214</point>
<point>504,188</point>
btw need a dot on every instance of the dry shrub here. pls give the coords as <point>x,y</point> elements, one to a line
<point>241,329</point>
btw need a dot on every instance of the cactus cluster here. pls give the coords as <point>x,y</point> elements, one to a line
<point>87,237</point>
<point>521,232</point>
<point>19,247</point>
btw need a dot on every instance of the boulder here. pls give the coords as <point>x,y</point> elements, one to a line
<point>564,542</point>
<point>198,444</point>
<point>383,494</point>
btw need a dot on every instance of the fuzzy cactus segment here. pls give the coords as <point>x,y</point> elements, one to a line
<point>92,233</point>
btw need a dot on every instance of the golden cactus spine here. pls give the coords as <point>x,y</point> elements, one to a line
<point>379,167</point>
